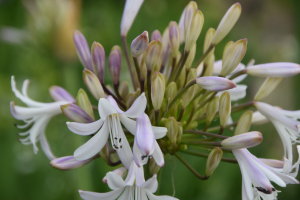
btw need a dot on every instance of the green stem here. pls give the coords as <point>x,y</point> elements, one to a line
<point>157,117</point>
<point>116,88</point>
<point>191,168</point>
<point>185,56</point>
<point>239,73</point>
<point>123,37</point>
<point>204,155</point>
<point>218,127</point>
<point>181,114</point>
<point>204,55</point>
<point>179,95</point>
<point>173,69</point>
<point>205,133</point>
<point>218,144</point>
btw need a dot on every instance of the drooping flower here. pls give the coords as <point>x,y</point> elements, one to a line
<point>134,187</point>
<point>285,124</point>
<point>37,115</point>
<point>256,173</point>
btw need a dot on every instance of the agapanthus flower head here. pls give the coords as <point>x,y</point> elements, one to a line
<point>37,115</point>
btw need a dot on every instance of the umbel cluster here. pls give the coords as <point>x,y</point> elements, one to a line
<point>175,98</point>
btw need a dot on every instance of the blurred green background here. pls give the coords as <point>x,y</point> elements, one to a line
<point>41,49</point>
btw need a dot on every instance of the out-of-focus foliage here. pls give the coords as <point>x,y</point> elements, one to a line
<point>47,58</point>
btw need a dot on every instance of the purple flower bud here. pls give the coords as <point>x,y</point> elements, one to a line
<point>114,64</point>
<point>68,163</point>
<point>60,94</point>
<point>83,50</point>
<point>215,84</point>
<point>245,140</point>
<point>156,35</point>
<point>139,44</point>
<point>75,113</point>
<point>98,57</point>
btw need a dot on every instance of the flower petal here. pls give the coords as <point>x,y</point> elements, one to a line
<point>151,184</point>
<point>126,194</point>
<point>114,103</point>
<point>45,147</point>
<point>137,156</point>
<point>60,94</point>
<point>144,136</point>
<point>159,132</point>
<point>130,179</point>
<point>93,146</point>
<point>85,128</point>
<point>163,197</point>
<point>129,124</point>
<point>115,181</point>
<point>75,113</point>
<point>100,196</point>
<point>138,107</point>
<point>105,108</point>
<point>158,155</point>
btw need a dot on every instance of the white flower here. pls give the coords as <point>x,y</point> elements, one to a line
<point>285,124</point>
<point>133,188</point>
<point>256,173</point>
<point>111,116</point>
<point>37,114</point>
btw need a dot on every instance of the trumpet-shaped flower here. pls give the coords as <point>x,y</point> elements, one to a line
<point>37,115</point>
<point>285,124</point>
<point>256,173</point>
<point>109,125</point>
<point>134,187</point>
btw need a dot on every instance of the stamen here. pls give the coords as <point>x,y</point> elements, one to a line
<point>263,190</point>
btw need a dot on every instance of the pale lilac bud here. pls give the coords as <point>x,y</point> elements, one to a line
<point>194,30</point>
<point>75,113</point>
<point>83,50</point>
<point>153,54</point>
<point>174,38</point>
<point>60,94</point>
<point>139,44</point>
<point>131,9</point>
<point>156,35</point>
<point>93,84</point>
<point>189,14</point>
<point>98,58</point>
<point>215,84</point>
<point>280,69</point>
<point>122,171</point>
<point>114,64</point>
<point>83,101</point>
<point>68,163</point>
<point>245,140</point>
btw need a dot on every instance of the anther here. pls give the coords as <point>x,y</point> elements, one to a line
<point>263,190</point>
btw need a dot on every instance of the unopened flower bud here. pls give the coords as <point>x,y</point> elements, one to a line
<point>181,26</point>
<point>189,94</point>
<point>244,123</point>
<point>83,50</point>
<point>190,10</point>
<point>267,87</point>
<point>165,52</point>
<point>174,38</point>
<point>131,97</point>
<point>122,171</point>
<point>280,69</point>
<point>213,160</point>
<point>123,89</point>
<point>216,84</point>
<point>180,132</point>
<point>98,58</point>
<point>69,162</point>
<point>60,94</point>
<point>158,86</point>
<point>83,101</point>
<point>234,55</point>
<point>139,44</point>
<point>154,168</point>
<point>209,65</point>
<point>208,38</point>
<point>226,51</point>
<point>92,83</point>
<point>227,22</point>
<point>130,11</point>
<point>171,91</point>
<point>156,35</point>
<point>75,113</point>
<point>172,126</point>
<point>258,118</point>
<point>194,29</point>
<point>211,110</point>
<point>190,58</point>
<point>114,64</point>
<point>224,108</point>
<point>153,54</point>
<point>245,140</point>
